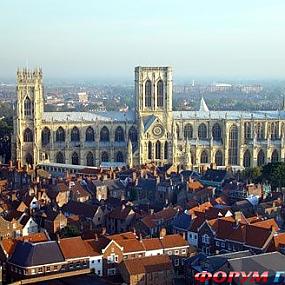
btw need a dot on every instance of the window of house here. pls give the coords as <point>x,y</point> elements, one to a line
<point>99,272</point>
<point>205,239</point>
<point>169,252</point>
<point>40,270</point>
<point>176,262</point>
<point>222,244</point>
<point>111,271</point>
<point>217,243</point>
<point>48,268</point>
<point>184,251</point>
<point>33,271</point>
<point>176,252</point>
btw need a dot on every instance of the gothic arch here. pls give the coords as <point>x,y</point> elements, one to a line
<point>166,150</point>
<point>28,107</point>
<point>160,93</point>
<point>219,158</point>
<point>216,132</point>
<point>28,135</point>
<point>89,134</point>
<point>188,132</point>
<point>45,136</point>
<point>104,156</point>
<point>233,145</point>
<point>147,94</point>
<point>202,131</point>
<point>75,158</point>
<point>90,159</point>
<point>60,135</point>
<point>149,150</point>
<point>204,157</point>
<point>274,156</point>
<point>260,158</point>
<point>158,150</point>
<point>104,134</point>
<point>60,157</point>
<point>119,157</point>
<point>75,135</point>
<point>119,134</point>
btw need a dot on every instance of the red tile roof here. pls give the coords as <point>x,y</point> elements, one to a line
<point>73,247</point>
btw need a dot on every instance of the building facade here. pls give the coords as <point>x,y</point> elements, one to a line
<point>153,132</point>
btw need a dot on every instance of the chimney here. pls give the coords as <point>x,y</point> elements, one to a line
<point>237,217</point>
<point>18,164</point>
<point>10,163</point>
<point>162,233</point>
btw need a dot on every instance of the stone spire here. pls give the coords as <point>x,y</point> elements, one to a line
<point>203,106</point>
<point>130,154</point>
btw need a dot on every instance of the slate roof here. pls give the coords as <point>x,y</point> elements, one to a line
<point>182,221</point>
<point>89,117</point>
<point>28,254</point>
<point>80,209</point>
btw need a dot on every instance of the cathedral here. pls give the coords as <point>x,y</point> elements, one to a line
<point>153,132</point>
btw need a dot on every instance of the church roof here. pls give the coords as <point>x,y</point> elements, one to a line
<point>203,106</point>
<point>230,115</point>
<point>89,117</point>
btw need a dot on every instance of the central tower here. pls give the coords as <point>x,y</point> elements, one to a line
<point>153,88</point>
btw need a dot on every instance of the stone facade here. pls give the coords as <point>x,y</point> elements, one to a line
<point>153,132</point>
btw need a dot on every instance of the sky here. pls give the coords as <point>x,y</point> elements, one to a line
<point>92,39</point>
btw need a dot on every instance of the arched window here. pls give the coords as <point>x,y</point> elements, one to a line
<point>75,158</point>
<point>202,131</point>
<point>149,151</point>
<point>274,131</point>
<point>216,132</point>
<point>219,158</point>
<point>160,93</point>
<point>166,150</point>
<point>104,134</point>
<point>193,158</point>
<point>247,130</point>
<point>246,159</point>
<point>260,158</point>
<point>60,135</point>
<point>260,131</point>
<point>90,159</point>
<point>28,135</point>
<point>45,136</point>
<point>90,134</point>
<point>75,135</point>
<point>188,132</point>
<point>157,149</point>
<point>233,145</point>
<point>147,94</point>
<point>133,134</point>
<point>28,107</point>
<point>274,156</point>
<point>119,134</point>
<point>104,156</point>
<point>119,157</point>
<point>204,157</point>
<point>29,159</point>
<point>60,157</point>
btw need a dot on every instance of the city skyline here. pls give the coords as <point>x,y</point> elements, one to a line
<point>105,41</point>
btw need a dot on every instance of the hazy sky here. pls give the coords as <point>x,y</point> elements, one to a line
<point>108,38</point>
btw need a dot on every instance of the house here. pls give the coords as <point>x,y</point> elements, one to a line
<point>6,228</point>
<point>120,219</point>
<point>100,189</point>
<point>78,193</point>
<point>153,270</point>
<point>30,260</point>
<point>116,189</point>
<point>59,194</point>
<point>28,203</point>
<point>75,253</point>
<point>92,214</point>
<point>29,225</point>
<point>151,224</point>
<point>53,220</point>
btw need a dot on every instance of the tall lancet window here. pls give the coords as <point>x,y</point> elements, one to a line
<point>147,94</point>
<point>28,108</point>
<point>160,93</point>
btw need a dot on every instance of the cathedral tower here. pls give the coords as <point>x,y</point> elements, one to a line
<point>28,117</point>
<point>153,87</point>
